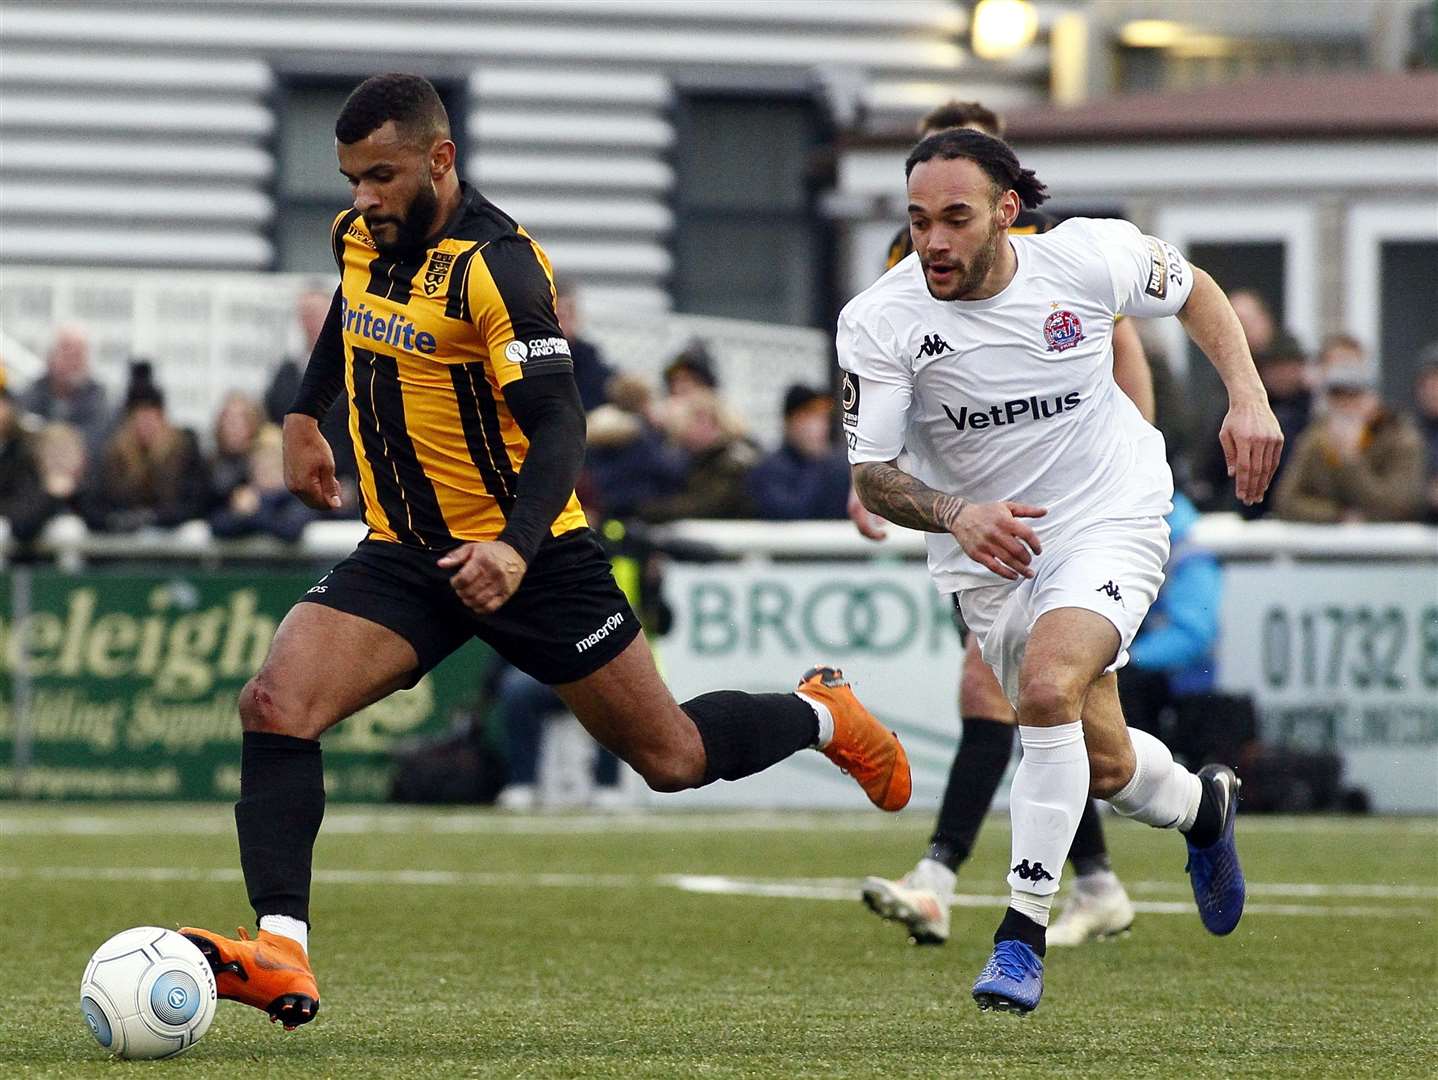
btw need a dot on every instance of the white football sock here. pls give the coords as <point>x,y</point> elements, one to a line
<point>288,926</point>
<point>826,720</point>
<point>1100,881</point>
<point>934,876</point>
<point>1033,905</point>
<point>1162,793</point>
<point>1045,803</point>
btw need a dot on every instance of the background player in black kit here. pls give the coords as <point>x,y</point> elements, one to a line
<point>1097,904</point>
<point>469,435</point>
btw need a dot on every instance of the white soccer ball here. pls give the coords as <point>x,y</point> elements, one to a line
<point>147,993</point>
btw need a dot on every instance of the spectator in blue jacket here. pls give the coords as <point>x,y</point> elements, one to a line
<point>1179,637</point>
<point>808,476</point>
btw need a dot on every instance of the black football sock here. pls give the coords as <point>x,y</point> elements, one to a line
<point>1019,927</point>
<point>1089,851</point>
<point>984,753</point>
<point>746,733</point>
<point>282,801</point>
<point>1208,823</point>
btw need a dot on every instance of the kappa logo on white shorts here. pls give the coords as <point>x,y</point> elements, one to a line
<point>1109,589</point>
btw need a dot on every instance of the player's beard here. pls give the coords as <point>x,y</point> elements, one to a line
<point>413,229</point>
<point>968,279</point>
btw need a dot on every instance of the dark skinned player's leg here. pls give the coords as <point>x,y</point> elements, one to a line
<point>729,734</point>
<point>323,665</point>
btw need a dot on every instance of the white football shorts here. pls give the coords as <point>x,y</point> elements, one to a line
<point>1113,568</point>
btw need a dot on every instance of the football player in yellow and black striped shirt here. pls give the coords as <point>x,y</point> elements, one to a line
<point>469,434</point>
<point>1098,904</point>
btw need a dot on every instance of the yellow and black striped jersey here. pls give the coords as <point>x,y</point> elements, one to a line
<point>1027,223</point>
<point>429,345</point>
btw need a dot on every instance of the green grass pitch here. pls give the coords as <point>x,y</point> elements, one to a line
<point>457,944</point>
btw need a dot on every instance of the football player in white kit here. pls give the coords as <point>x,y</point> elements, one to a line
<point>980,407</point>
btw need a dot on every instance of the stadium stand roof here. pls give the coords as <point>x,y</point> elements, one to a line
<point>1334,105</point>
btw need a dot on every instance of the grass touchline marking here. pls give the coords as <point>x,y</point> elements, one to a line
<point>842,889</point>
<point>212,820</point>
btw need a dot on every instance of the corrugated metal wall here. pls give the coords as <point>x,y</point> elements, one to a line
<point>143,134</point>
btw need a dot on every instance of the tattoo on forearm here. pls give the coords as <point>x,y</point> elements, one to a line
<point>903,499</point>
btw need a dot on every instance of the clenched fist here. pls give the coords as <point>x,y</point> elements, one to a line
<point>486,573</point>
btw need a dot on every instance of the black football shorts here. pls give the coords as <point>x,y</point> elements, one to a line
<point>566,620</point>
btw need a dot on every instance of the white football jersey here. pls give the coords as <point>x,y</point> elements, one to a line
<point>1013,397</point>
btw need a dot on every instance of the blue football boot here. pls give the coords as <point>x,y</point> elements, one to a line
<point>1217,879</point>
<point>1012,980</point>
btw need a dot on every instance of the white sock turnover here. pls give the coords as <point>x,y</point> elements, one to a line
<point>288,926</point>
<point>1045,803</point>
<point>1162,793</point>
<point>826,720</point>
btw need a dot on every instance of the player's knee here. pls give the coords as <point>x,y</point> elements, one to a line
<point>668,767</point>
<point>261,710</point>
<point>981,695</point>
<point>1045,700</point>
<point>668,774</point>
<point>1109,771</point>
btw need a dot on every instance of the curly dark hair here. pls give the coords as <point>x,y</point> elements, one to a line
<point>957,114</point>
<point>409,100</point>
<point>992,155</point>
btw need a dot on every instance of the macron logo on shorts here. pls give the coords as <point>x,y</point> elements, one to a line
<point>609,626</point>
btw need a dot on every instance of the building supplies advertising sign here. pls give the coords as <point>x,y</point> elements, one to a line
<point>758,626</point>
<point>1342,657</point>
<point>130,680</point>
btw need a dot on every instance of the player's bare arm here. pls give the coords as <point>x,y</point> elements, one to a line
<point>990,533</point>
<point>1131,370</point>
<point>547,409</point>
<point>1251,437</point>
<point>888,491</point>
<point>309,463</point>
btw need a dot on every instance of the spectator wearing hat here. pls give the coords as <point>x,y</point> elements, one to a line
<point>66,393</point>
<point>691,372</point>
<point>1359,461</point>
<point>807,477</point>
<point>151,472</point>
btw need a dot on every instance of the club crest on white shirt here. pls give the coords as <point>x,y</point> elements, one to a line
<point>1062,330</point>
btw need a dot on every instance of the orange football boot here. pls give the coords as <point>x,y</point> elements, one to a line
<point>271,973</point>
<point>861,746</point>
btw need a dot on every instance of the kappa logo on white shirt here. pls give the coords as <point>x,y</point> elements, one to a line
<point>933,345</point>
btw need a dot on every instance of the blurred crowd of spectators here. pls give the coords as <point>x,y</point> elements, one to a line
<point>672,451</point>
<point>1348,456</point>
